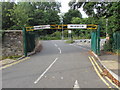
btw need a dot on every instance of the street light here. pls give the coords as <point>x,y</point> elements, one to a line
<point>62,32</point>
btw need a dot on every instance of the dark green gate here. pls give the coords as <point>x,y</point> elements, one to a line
<point>29,41</point>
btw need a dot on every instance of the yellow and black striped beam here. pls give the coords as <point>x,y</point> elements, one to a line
<point>62,26</point>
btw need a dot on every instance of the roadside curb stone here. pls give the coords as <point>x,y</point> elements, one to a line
<point>109,73</point>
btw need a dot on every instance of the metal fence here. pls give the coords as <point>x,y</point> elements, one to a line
<point>30,41</point>
<point>116,40</point>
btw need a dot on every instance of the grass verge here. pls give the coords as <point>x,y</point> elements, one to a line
<point>70,41</point>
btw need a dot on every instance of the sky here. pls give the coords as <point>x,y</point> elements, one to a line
<point>65,8</point>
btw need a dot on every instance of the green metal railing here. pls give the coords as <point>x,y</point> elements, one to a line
<point>116,41</point>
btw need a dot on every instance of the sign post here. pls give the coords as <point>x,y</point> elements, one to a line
<point>69,35</point>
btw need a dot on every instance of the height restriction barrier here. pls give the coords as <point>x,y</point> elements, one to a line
<point>95,35</point>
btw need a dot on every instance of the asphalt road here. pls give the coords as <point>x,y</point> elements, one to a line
<point>58,65</point>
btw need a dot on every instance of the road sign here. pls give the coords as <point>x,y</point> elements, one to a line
<point>42,27</point>
<point>69,31</point>
<point>76,26</point>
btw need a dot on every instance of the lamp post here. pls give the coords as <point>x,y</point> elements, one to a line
<point>62,28</point>
<point>62,32</point>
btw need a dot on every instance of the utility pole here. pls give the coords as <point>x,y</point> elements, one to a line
<point>62,28</point>
<point>62,32</point>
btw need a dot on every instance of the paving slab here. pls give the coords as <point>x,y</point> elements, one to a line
<point>111,61</point>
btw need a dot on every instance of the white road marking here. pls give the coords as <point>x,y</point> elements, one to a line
<point>61,77</point>
<point>55,45</point>
<point>53,76</point>
<point>76,85</point>
<point>45,71</point>
<point>59,50</point>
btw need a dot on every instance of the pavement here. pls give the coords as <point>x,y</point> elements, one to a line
<point>58,65</point>
<point>109,60</point>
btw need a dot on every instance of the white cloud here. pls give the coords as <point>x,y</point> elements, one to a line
<point>65,7</point>
<point>64,4</point>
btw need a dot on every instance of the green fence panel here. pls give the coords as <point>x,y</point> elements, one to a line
<point>94,41</point>
<point>116,40</point>
<point>30,41</point>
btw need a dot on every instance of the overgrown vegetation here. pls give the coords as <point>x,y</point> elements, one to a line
<point>104,13</point>
<point>20,14</point>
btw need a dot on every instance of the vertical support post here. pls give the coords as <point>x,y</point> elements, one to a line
<point>94,41</point>
<point>25,42</point>
<point>62,32</point>
<point>98,40</point>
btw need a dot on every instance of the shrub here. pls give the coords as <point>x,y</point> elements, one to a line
<point>107,46</point>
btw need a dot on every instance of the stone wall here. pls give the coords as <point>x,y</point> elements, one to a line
<point>12,43</point>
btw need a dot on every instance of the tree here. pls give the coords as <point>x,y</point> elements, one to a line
<point>99,12</point>
<point>76,20</point>
<point>6,16</point>
<point>20,14</point>
<point>70,14</point>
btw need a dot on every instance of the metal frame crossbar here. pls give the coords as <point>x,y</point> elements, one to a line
<point>63,26</point>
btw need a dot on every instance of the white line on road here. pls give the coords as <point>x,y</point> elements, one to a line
<point>45,71</point>
<point>76,85</point>
<point>59,50</point>
<point>55,45</point>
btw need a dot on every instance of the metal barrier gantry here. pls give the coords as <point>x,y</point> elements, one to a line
<point>62,26</point>
<point>95,35</point>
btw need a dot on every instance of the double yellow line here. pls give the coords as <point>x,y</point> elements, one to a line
<point>14,63</point>
<point>99,70</point>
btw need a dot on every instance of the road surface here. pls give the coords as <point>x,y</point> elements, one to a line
<point>58,65</point>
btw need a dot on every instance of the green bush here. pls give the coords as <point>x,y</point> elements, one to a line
<point>107,46</point>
